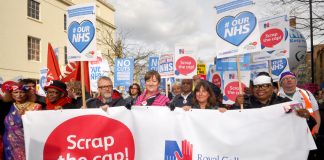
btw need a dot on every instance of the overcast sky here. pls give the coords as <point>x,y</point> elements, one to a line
<point>161,24</point>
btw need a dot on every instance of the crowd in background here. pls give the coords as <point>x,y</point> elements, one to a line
<point>20,97</point>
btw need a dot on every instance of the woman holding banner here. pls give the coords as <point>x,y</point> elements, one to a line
<point>204,98</point>
<point>13,138</point>
<point>152,96</point>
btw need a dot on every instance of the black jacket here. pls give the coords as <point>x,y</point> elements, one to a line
<point>4,110</point>
<point>178,101</point>
<point>96,103</point>
<point>252,102</point>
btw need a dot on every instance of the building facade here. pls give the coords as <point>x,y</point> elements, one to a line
<point>27,26</point>
<point>304,70</point>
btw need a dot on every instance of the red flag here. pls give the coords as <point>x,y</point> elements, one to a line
<point>73,73</point>
<point>54,72</point>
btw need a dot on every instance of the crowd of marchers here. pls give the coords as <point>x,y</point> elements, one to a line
<point>20,97</point>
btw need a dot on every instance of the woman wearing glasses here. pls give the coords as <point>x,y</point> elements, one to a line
<point>262,94</point>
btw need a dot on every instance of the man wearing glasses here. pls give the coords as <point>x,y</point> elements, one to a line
<point>290,90</point>
<point>107,96</point>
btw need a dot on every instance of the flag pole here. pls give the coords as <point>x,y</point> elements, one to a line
<point>239,76</point>
<point>84,105</point>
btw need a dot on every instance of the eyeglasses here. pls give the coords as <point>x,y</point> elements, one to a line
<point>105,87</point>
<point>289,78</point>
<point>262,86</point>
<point>134,88</point>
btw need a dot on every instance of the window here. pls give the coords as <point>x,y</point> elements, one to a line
<point>33,48</point>
<point>65,22</point>
<point>33,9</point>
<point>65,55</point>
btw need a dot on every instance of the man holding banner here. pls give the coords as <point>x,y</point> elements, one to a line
<point>186,96</point>
<point>290,90</point>
<point>107,96</point>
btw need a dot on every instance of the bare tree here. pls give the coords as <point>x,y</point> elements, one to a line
<point>117,47</point>
<point>300,10</point>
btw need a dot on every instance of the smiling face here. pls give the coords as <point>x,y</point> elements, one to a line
<point>202,95</point>
<point>152,84</point>
<point>54,95</point>
<point>263,92</point>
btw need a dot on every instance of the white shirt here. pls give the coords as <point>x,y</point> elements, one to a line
<point>298,97</point>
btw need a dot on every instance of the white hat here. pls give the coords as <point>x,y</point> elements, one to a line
<point>263,79</point>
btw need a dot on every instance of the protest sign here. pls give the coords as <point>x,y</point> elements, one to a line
<point>166,65</point>
<point>278,66</point>
<point>185,62</point>
<point>81,20</point>
<point>201,70</point>
<point>258,67</point>
<point>274,38</point>
<point>123,72</point>
<point>97,69</point>
<point>153,63</point>
<point>230,63</point>
<point>237,28</point>
<point>215,76</point>
<point>42,82</point>
<point>231,85</point>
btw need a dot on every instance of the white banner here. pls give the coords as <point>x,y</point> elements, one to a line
<point>81,20</point>
<point>156,133</point>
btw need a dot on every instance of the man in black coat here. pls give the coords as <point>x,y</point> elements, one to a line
<point>108,97</point>
<point>186,96</point>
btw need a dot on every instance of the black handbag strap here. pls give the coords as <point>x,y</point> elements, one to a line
<point>150,101</point>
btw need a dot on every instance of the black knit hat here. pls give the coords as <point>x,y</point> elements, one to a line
<point>59,85</point>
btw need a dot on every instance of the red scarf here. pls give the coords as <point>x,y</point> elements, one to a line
<point>58,104</point>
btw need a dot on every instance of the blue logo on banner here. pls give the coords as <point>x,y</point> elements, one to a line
<point>81,35</point>
<point>173,152</point>
<point>236,29</point>
<point>278,66</point>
